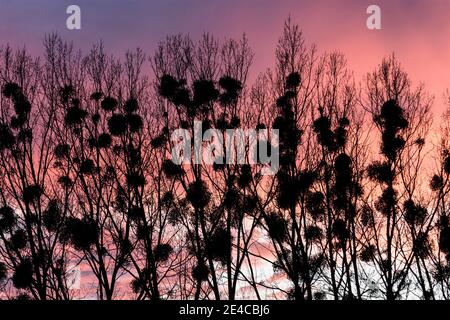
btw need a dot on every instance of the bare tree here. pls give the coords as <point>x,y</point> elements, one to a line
<point>33,209</point>
<point>395,237</point>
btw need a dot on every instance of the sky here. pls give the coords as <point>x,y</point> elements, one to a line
<point>418,31</point>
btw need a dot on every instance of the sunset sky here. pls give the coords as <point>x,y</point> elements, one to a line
<point>418,31</point>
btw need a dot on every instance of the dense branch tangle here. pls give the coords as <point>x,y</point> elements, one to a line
<point>87,180</point>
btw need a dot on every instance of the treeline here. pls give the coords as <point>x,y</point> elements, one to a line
<point>358,209</point>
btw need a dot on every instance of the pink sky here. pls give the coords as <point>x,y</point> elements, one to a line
<point>418,31</point>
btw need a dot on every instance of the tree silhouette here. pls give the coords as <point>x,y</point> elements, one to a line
<point>402,120</point>
<point>89,181</point>
<point>30,254</point>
